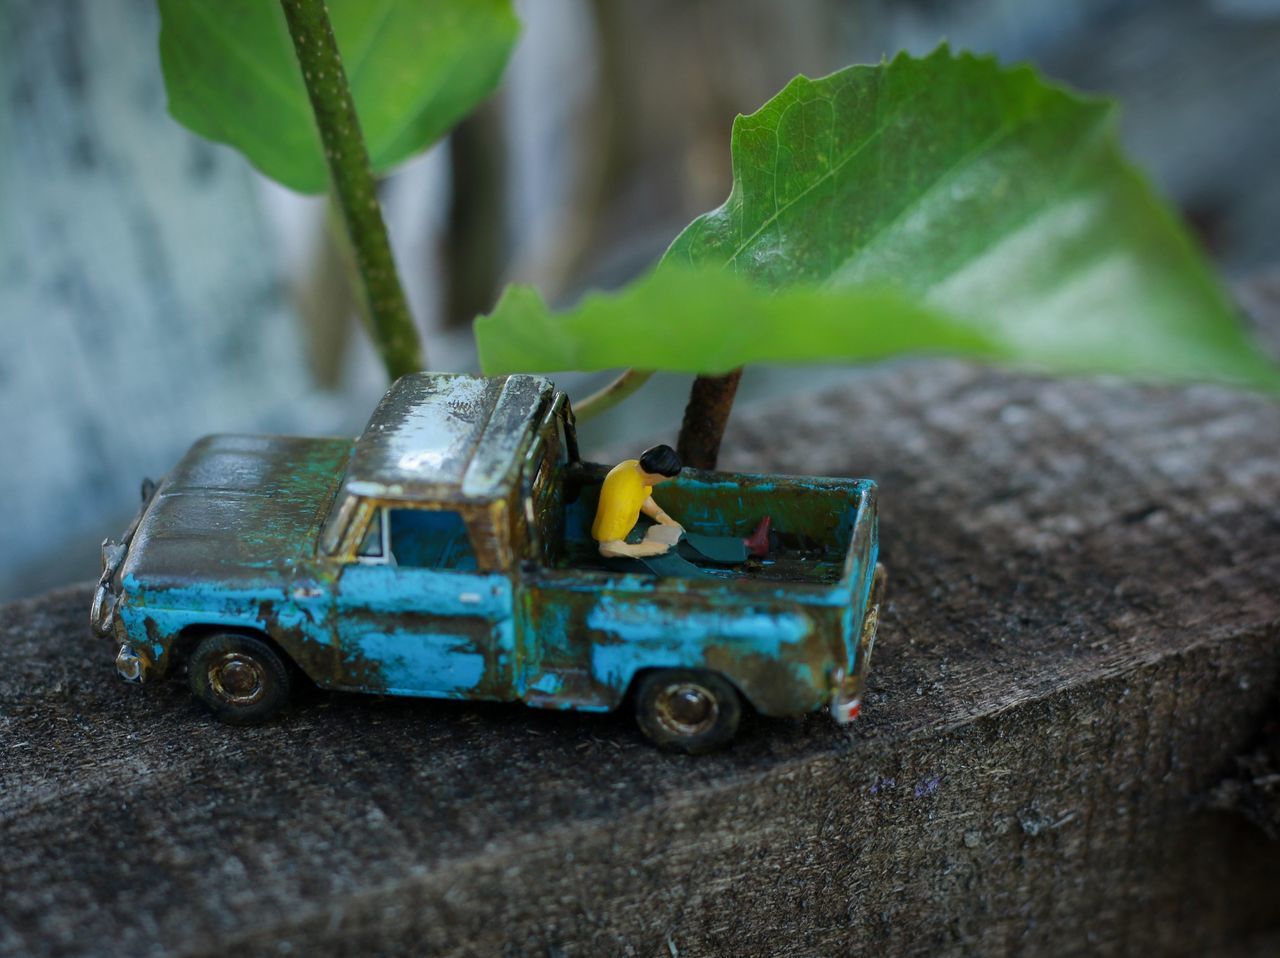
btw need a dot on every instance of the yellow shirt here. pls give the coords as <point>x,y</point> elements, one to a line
<point>621,497</point>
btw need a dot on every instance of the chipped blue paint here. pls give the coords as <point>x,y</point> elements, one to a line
<point>672,637</point>
<point>152,610</point>
<point>405,622</point>
<point>400,589</point>
<point>548,683</point>
<point>615,666</point>
<point>633,620</point>
<point>423,663</point>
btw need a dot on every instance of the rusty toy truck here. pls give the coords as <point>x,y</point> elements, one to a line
<point>446,553</point>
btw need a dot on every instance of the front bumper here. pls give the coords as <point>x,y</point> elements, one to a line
<point>102,616</point>
<point>846,696</point>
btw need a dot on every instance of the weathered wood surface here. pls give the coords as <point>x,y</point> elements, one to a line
<point>1083,633</point>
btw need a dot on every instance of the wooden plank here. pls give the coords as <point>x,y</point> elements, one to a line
<point>1081,636</point>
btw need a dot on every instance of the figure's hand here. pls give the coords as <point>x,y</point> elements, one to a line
<point>658,514</point>
<point>669,535</point>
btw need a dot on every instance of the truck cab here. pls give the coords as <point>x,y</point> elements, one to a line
<point>446,553</point>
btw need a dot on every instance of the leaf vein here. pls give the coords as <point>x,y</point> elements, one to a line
<point>836,168</point>
<point>230,41</point>
<point>357,62</point>
<point>945,176</point>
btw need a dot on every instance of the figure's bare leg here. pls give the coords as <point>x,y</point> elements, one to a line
<point>617,549</point>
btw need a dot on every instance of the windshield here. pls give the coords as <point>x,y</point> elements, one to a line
<point>340,513</point>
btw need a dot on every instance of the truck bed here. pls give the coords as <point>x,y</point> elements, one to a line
<point>813,521</point>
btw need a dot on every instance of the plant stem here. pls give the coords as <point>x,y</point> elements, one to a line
<point>611,394</point>
<point>354,188</point>
<point>705,416</point>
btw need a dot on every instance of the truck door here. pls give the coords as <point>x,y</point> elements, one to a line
<point>415,615</point>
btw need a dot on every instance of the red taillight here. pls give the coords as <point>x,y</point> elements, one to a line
<point>846,712</point>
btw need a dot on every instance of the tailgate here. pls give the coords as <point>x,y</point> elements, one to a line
<point>861,566</point>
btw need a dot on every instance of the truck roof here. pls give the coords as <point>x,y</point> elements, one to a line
<point>447,437</point>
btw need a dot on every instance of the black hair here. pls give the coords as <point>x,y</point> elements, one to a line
<point>661,461</point>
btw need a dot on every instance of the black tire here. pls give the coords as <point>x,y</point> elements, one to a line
<point>687,710</point>
<point>242,680</point>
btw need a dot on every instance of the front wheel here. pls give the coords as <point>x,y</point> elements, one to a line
<point>687,710</point>
<point>242,680</point>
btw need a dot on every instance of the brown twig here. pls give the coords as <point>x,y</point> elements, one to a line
<point>705,418</point>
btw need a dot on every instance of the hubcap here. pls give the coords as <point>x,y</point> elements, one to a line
<point>687,709</point>
<point>237,679</point>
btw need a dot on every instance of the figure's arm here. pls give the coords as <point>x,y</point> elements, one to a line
<point>654,512</point>
<point>617,548</point>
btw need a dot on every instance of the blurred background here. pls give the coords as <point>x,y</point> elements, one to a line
<point>154,288</point>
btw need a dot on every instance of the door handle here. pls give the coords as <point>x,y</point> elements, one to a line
<point>469,597</point>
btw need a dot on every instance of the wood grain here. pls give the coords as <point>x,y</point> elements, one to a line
<point>1082,636</point>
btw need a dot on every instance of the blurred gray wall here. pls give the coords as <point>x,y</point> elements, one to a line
<point>140,300</point>
<point>153,288</point>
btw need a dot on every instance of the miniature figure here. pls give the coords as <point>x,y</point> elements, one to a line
<point>454,550</point>
<point>627,492</point>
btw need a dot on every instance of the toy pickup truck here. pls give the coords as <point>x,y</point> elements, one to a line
<point>446,553</point>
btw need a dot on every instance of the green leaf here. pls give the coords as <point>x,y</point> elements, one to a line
<point>677,317</point>
<point>941,205</point>
<point>415,69</point>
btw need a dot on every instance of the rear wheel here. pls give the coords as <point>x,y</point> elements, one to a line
<point>242,679</point>
<point>687,710</point>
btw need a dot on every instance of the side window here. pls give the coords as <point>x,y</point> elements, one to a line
<point>371,545</point>
<point>431,539</point>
